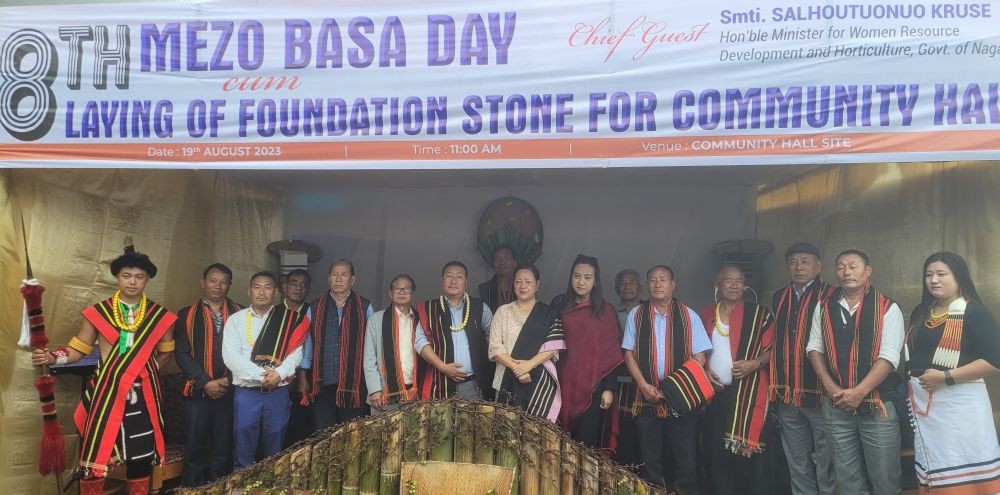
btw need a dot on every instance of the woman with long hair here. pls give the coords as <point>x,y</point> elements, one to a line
<point>593,359</point>
<point>953,343</point>
<point>525,337</point>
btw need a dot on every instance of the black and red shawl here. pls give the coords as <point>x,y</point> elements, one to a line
<point>352,347</point>
<point>678,350</point>
<point>197,320</point>
<point>750,332</point>
<point>593,351</point>
<point>284,331</point>
<point>394,387</point>
<point>850,369</point>
<point>436,324</point>
<point>793,380</point>
<point>101,412</point>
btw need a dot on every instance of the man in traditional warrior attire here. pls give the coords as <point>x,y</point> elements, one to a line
<point>499,290</point>
<point>795,390</point>
<point>660,336</point>
<point>119,417</point>
<point>262,345</point>
<point>208,401</point>
<point>741,334</point>
<point>854,347</point>
<point>389,358</point>
<point>332,377</point>
<point>455,340</point>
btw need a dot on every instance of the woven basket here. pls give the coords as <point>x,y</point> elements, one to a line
<point>456,478</point>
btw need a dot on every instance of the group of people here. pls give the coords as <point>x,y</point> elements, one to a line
<point>653,373</point>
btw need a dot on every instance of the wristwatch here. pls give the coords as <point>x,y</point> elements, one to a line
<point>947,378</point>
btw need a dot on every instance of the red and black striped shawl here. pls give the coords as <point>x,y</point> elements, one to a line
<point>99,415</point>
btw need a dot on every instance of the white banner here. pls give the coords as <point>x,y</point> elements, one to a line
<point>552,83</point>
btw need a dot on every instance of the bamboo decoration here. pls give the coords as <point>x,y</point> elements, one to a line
<point>551,469</point>
<point>483,433</point>
<point>508,433</point>
<point>531,462</point>
<point>318,467</point>
<point>366,456</point>
<point>265,473</point>
<point>370,466</point>
<point>590,475</point>
<point>441,430</point>
<point>609,482</point>
<point>336,458</point>
<point>572,481</point>
<point>464,443</point>
<point>301,463</point>
<point>282,471</point>
<point>413,434</point>
<point>392,463</point>
<point>352,472</point>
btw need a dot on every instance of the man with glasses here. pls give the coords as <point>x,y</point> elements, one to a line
<point>331,379</point>
<point>389,355</point>
<point>295,290</point>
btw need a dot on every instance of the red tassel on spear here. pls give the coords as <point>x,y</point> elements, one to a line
<point>52,455</point>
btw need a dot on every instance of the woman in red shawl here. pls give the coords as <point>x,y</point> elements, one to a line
<point>593,358</point>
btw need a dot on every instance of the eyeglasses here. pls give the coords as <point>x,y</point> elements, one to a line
<point>400,290</point>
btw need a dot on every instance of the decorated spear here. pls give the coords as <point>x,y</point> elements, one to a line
<point>52,454</point>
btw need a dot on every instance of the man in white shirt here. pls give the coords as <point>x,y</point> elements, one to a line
<point>389,357</point>
<point>261,346</point>
<point>854,347</point>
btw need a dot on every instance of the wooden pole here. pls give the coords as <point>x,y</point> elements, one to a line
<point>572,481</point>
<point>483,433</point>
<point>508,424</point>
<point>389,484</point>
<point>442,444</point>
<point>464,443</point>
<point>531,461</point>
<point>372,438</point>
<point>319,468</point>
<point>352,471</point>
<point>551,455</point>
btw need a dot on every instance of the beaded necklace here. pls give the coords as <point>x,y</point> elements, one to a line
<point>465,319</point>
<point>718,321</point>
<point>126,332</point>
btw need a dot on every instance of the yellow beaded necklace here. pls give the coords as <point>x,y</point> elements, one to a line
<point>465,320</point>
<point>120,318</point>
<point>933,320</point>
<point>250,314</point>
<point>718,321</point>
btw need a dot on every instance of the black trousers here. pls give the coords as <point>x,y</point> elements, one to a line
<point>300,421</point>
<point>208,432</point>
<point>325,412</point>
<point>588,427</point>
<point>732,473</point>
<point>680,436</point>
